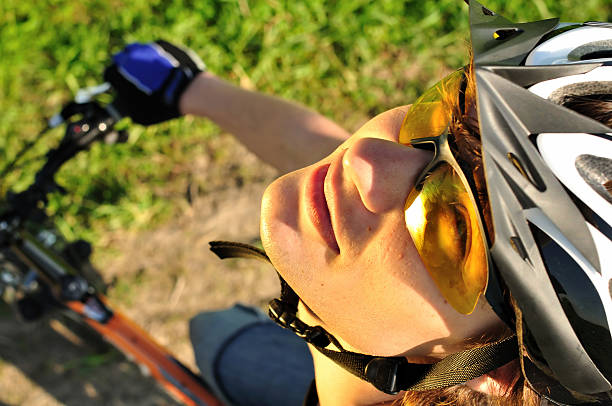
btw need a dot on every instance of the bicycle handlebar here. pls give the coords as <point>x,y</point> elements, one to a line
<point>69,289</point>
<point>96,123</point>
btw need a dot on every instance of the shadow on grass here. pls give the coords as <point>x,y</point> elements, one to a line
<point>74,369</point>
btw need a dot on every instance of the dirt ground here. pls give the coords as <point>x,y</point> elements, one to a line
<point>163,277</point>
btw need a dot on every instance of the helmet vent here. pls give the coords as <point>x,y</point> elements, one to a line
<point>506,33</point>
<point>591,89</point>
<point>487,12</point>
<point>592,50</point>
<point>517,164</point>
<point>517,245</point>
<point>597,55</point>
<point>597,172</point>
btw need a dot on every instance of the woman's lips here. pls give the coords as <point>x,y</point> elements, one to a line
<point>316,206</point>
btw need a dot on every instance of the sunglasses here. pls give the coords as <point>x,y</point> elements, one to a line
<point>441,212</point>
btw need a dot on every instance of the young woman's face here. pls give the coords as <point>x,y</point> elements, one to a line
<point>336,232</point>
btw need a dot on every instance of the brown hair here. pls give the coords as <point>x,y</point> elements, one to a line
<point>515,390</point>
<point>467,148</point>
<point>522,395</point>
<point>466,134</point>
<point>598,107</point>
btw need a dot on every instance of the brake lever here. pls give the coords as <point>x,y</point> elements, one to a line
<point>96,123</point>
<point>87,94</point>
<point>80,103</point>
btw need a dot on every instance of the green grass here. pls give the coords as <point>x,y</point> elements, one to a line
<point>349,59</point>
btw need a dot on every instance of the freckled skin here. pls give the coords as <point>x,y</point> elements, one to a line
<point>375,295</point>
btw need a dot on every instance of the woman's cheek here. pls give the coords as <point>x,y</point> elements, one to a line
<point>279,222</point>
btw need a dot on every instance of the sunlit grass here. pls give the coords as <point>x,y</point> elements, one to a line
<point>349,59</point>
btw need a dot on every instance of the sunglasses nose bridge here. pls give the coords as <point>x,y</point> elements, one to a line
<point>441,153</point>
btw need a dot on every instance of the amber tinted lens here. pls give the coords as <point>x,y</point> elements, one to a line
<point>444,226</point>
<point>441,216</point>
<point>429,115</point>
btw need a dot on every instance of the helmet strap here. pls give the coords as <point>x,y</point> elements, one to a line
<point>388,374</point>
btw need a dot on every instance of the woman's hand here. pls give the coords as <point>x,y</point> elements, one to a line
<point>150,78</point>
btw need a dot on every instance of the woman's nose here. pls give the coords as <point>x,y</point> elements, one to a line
<point>383,171</point>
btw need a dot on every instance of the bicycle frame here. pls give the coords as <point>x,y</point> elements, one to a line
<point>71,291</point>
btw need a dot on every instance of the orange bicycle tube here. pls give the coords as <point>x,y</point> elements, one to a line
<point>135,342</point>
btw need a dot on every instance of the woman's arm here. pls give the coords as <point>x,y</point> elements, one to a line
<point>284,134</point>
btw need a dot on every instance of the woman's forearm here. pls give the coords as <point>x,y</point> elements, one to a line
<point>284,134</point>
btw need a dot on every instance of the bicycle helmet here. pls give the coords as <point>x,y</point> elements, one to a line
<point>548,172</point>
<point>549,175</point>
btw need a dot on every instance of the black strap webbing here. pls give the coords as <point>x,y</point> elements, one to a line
<point>388,374</point>
<point>230,249</point>
<point>394,374</point>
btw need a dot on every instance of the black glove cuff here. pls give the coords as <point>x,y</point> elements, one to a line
<point>163,104</point>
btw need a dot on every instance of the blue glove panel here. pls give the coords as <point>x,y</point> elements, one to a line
<point>147,66</point>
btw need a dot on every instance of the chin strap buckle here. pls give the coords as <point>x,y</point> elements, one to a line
<point>279,313</point>
<point>382,372</point>
<point>283,314</point>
